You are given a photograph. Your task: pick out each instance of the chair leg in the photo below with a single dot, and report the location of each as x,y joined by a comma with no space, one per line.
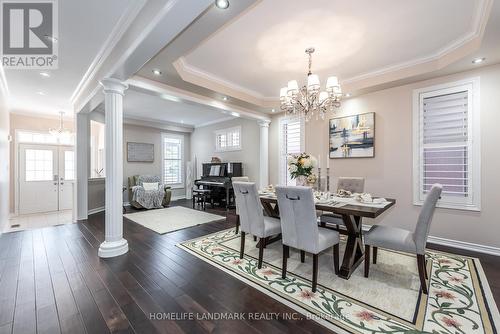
262,244
286,250
336,258
421,272
302,256
237,223
322,224
426,275
375,255
242,244
254,238
367,260
315,272
194,199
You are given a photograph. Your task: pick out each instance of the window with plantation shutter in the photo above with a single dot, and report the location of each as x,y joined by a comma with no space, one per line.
291,142
446,140
173,160
228,139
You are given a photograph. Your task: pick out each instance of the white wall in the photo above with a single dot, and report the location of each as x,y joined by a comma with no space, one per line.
203,146
4,163
390,172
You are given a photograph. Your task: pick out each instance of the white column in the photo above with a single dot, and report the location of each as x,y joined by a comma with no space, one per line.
114,243
264,154
82,148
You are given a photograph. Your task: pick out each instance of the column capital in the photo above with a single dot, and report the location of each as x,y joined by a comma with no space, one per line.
112,85
264,123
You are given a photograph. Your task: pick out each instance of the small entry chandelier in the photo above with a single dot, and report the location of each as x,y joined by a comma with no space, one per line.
60,132
309,100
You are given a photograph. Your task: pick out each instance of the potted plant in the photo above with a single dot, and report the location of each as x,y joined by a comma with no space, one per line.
301,168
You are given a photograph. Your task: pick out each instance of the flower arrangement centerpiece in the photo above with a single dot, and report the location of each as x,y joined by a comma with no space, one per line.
301,168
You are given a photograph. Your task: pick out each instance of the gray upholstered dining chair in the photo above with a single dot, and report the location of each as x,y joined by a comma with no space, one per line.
403,240
300,230
239,179
352,184
252,218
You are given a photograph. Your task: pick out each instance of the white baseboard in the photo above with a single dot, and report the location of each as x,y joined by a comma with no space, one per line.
465,245
457,244
176,198
96,210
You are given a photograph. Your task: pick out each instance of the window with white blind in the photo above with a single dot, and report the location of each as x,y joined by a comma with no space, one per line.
228,139
446,144
291,142
173,160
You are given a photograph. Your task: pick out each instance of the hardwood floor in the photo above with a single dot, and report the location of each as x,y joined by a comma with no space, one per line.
52,281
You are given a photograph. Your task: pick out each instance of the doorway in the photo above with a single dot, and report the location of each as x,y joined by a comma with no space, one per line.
46,174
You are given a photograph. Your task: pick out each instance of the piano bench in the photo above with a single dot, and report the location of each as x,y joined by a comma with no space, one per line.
201,196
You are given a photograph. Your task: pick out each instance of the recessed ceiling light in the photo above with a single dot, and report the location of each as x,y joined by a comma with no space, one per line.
156,72
40,93
347,94
45,74
182,121
222,4
478,60
225,98
51,38
273,110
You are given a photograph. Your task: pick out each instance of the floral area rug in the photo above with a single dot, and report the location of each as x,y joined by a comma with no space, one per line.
388,301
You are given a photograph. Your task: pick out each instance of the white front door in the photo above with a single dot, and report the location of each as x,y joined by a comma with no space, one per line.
66,177
46,174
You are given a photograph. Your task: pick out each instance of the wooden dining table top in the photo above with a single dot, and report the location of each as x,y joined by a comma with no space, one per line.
345,209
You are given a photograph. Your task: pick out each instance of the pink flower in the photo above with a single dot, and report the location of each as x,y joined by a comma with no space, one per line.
366,315
217,249
237,261
450,322
444,261
445,295
307,294
268,272
456,279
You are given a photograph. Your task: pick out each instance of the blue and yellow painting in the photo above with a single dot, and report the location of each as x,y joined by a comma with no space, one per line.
352,136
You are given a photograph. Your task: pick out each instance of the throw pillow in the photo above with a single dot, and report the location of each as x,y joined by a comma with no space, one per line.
150,186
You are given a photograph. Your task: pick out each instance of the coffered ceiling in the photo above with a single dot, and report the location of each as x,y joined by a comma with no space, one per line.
260,45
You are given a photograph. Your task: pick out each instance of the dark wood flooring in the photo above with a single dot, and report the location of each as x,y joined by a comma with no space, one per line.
52,281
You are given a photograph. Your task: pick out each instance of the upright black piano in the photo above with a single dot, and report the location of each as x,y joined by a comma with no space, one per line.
217,177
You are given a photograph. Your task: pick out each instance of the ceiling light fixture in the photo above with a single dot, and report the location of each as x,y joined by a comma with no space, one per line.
45,74
347,95
273,110
60,132
40,93
156,72
225,98
222,4
308,100
478,60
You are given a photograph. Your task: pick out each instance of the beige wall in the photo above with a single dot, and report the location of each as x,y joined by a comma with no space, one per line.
390,172
31,123
203,146
4,164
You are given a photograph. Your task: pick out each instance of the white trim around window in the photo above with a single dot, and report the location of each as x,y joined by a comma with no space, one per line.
175,160
228,139
446,144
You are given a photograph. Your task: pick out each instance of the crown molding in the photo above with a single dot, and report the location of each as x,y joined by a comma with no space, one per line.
116,34
220,120
450,53
156,88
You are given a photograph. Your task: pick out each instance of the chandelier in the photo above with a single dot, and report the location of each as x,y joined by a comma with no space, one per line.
61,132
309,100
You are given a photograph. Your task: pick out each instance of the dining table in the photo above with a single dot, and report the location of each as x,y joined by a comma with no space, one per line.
351,212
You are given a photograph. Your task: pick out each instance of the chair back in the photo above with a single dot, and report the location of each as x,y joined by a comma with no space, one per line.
250,209
425,218
148,179
299,227
352,184
239,179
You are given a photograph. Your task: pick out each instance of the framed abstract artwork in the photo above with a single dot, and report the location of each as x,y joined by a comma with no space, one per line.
352,136
140,152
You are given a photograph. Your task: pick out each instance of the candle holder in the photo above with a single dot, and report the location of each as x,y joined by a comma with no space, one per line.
319,178
327,179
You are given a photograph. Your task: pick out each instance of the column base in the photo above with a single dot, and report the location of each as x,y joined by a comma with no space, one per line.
113,248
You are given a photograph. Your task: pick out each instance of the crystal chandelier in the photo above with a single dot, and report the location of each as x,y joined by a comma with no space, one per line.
309,100
60,132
